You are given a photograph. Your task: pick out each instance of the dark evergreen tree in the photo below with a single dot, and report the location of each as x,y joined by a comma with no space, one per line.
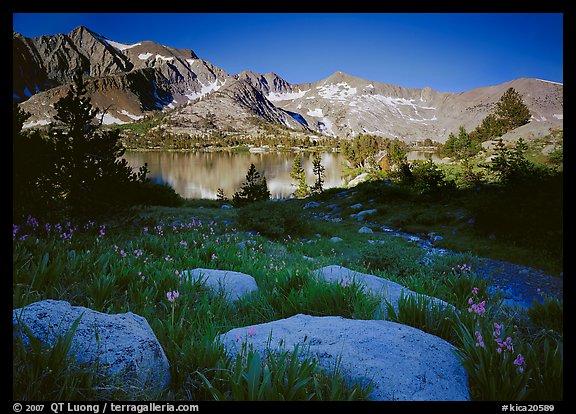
89,174
511,112
253,189
511,166
461,146
32,161
298,174
359,150
318,170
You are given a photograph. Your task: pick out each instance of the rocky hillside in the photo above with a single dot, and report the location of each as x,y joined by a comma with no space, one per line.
128,81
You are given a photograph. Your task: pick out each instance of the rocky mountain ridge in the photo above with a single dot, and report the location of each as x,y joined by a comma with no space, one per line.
130,81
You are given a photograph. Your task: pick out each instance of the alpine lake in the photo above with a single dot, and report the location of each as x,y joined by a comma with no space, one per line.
199,174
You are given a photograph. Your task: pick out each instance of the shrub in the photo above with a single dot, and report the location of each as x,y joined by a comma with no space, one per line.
274,219
149,193
428,177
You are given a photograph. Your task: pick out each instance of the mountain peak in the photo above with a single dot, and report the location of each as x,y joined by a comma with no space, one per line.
80,30
340,76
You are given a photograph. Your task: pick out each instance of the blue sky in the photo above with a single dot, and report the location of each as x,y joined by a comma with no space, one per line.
450,52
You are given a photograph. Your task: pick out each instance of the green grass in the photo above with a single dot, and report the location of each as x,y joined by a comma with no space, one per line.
522,225
139,258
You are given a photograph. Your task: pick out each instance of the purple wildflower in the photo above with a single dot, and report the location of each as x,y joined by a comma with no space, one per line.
520,363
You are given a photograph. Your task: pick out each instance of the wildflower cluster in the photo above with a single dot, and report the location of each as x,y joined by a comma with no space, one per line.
172,295
503,345
123,253
63,231
477,308
461,269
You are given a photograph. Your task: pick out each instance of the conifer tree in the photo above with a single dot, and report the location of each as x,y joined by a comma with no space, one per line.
298,174
90,174
318,170
511,110
253,189
32,160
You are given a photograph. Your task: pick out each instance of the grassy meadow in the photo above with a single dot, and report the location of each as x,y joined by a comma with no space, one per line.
129,263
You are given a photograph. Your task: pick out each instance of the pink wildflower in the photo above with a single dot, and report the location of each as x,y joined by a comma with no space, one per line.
172,296
251,331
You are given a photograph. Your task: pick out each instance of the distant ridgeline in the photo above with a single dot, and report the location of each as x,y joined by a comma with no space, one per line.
129,83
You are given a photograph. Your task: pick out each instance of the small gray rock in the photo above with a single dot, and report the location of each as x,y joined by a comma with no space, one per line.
366,212
311,204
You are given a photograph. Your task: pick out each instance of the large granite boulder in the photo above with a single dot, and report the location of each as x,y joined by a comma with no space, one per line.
390,291
233,285
403,363
123,344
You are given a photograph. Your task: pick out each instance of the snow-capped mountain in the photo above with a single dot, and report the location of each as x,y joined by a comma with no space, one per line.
131,80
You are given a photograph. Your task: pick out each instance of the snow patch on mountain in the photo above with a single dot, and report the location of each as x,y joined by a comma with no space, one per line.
336,92
39,122
132,116
121,46
325,126
205,89
555,83
108,119
285,96
316,113
167,59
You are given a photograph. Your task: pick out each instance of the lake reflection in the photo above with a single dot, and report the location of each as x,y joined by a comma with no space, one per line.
199,174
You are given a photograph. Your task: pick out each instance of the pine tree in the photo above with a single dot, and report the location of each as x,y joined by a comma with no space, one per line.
512,110
318,170
461,146
510,113
253,189
298,175
220,195
90,174
32,160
